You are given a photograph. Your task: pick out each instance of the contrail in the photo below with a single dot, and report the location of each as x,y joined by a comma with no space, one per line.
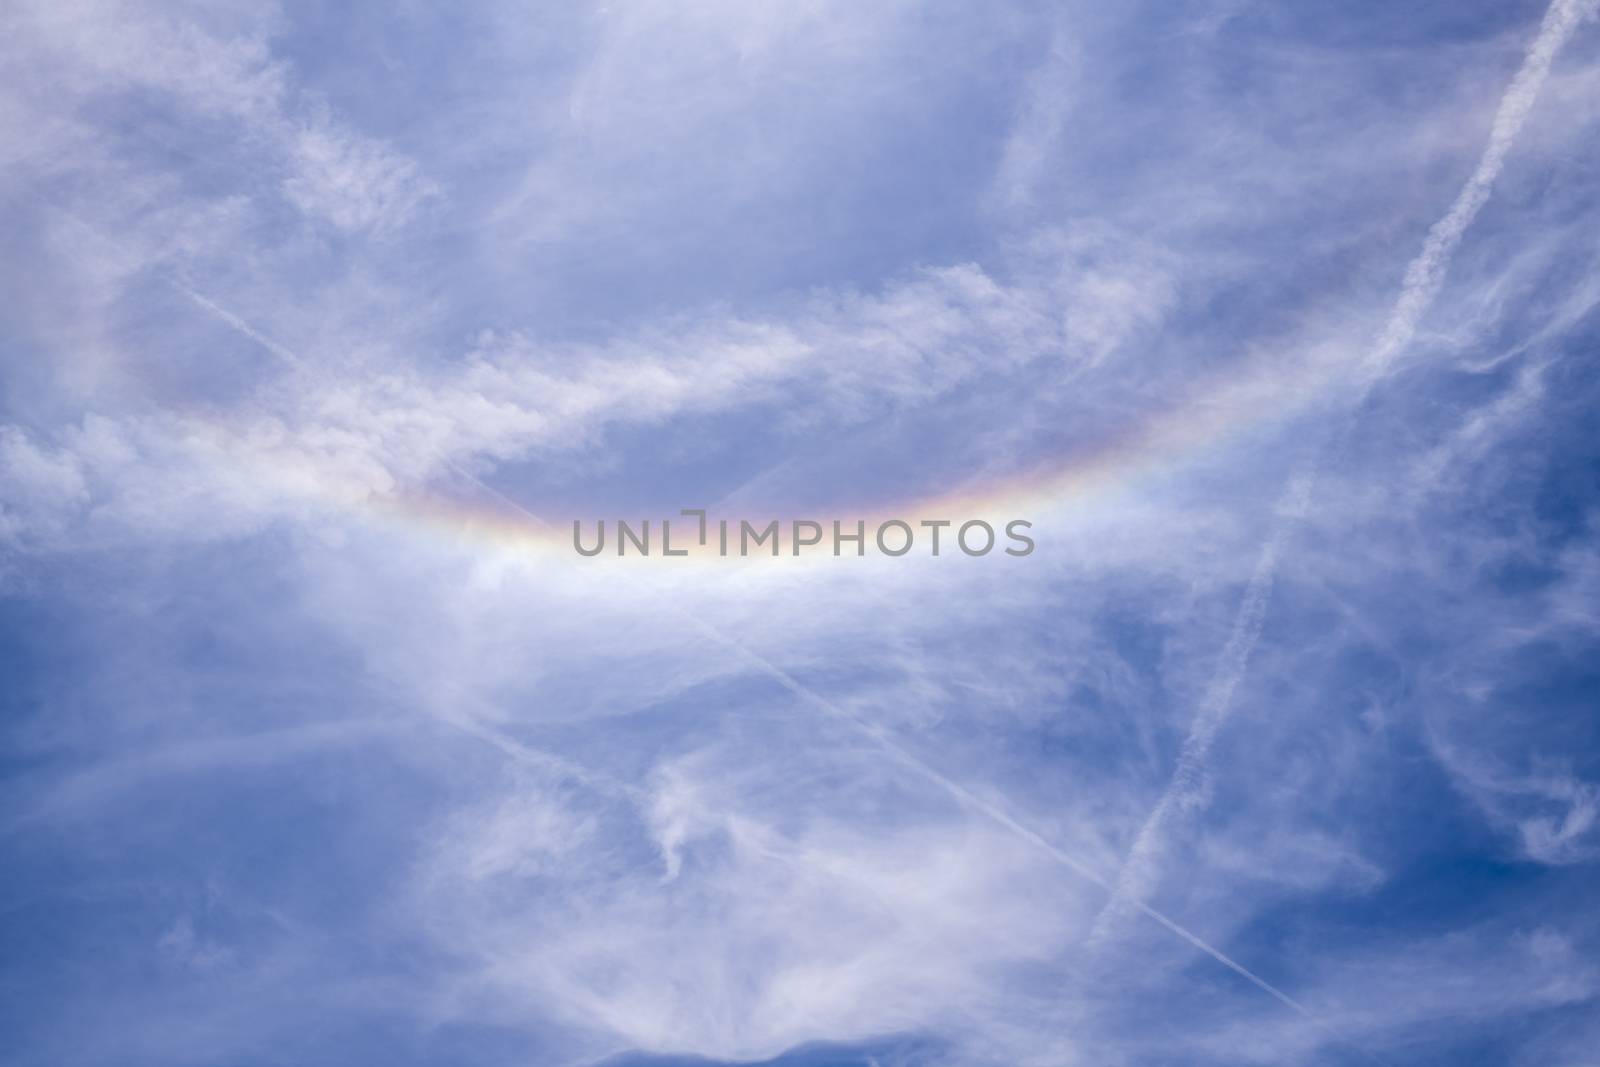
1418,289
200,300
1425,274
236,322
993,811
1186,789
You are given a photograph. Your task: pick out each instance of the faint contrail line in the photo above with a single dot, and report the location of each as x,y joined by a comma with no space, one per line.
170,277
1423,278
236,322
971,801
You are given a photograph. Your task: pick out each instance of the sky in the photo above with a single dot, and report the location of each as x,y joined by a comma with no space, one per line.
323,323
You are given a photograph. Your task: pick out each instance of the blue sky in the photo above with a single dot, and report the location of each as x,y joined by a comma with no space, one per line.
1276,320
